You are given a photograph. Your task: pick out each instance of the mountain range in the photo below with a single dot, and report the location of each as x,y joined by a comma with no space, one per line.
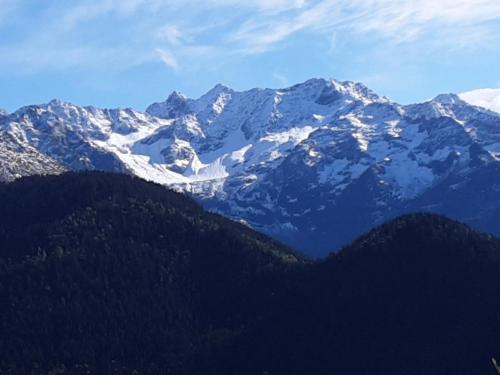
313,165
104,273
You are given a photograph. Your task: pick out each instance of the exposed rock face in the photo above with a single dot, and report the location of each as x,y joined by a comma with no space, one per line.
314,165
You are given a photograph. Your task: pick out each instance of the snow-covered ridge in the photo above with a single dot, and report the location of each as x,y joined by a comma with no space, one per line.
226,133
486,98
284,160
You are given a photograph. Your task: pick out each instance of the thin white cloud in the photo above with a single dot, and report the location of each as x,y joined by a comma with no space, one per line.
396,20
171,34
181,32
268,6
416,18
168,58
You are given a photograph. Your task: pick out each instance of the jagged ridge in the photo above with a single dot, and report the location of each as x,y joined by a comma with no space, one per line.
289,161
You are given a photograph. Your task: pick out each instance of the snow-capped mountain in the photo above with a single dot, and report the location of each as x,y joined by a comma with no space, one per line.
314,164
487,98
78,137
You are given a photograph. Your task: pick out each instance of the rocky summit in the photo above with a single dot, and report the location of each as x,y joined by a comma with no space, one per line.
313,165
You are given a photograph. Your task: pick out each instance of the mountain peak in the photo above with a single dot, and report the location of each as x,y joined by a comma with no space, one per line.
442,105
175,96
220,87
217,90
175,105
331,90
313,82
359,90
448,99
59,103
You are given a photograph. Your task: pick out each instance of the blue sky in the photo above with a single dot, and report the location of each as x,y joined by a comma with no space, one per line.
130,53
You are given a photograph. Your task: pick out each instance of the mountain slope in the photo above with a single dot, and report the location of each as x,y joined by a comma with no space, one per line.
486,98
18,159
289,162
108,270
124,275
414,296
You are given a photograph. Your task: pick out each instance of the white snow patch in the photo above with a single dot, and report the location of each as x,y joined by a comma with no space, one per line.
339,171
293,135
319,118
486,98
409,176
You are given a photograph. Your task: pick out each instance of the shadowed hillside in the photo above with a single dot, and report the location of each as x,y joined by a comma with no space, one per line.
104,273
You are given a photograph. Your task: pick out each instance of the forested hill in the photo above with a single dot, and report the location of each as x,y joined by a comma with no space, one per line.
109,270
105,273
417,295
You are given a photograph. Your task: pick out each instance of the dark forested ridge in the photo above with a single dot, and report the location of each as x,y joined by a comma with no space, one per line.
105,273
109,270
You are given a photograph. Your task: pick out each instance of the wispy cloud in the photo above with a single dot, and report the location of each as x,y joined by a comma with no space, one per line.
180,32
399,21
171,34
168,58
